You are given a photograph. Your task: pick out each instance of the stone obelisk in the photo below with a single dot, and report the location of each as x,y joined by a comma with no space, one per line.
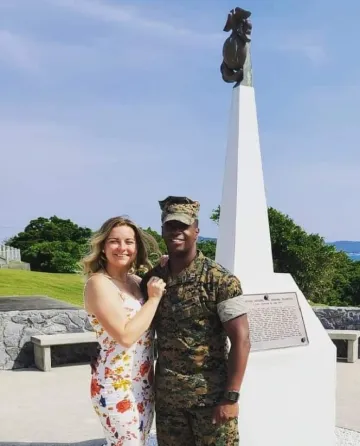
243,189
288,394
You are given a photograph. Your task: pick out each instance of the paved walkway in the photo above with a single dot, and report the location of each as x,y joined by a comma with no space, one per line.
47,407
55,408
348,395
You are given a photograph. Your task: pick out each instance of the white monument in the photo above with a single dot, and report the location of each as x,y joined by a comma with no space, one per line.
288,393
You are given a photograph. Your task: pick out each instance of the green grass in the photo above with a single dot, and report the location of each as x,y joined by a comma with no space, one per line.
313,304
65,287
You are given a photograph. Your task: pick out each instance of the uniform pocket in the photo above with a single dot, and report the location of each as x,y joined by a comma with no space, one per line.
190,308
194,303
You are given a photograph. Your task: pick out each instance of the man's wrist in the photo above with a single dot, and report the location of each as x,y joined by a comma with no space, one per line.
231,396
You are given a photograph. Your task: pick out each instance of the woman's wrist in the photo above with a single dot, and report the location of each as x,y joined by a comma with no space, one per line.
154,299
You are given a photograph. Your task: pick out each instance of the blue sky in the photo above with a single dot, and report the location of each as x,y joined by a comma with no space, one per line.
109,106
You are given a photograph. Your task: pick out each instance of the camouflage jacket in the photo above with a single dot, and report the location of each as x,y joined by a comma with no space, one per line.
191,369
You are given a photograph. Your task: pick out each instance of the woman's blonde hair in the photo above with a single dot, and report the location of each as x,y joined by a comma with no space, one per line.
145,244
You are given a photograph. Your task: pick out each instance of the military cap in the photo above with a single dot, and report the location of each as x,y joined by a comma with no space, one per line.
182,209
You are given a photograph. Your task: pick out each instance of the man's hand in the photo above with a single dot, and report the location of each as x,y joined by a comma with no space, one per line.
224,412
163,260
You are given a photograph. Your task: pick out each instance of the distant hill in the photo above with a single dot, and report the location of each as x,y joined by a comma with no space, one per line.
203,239
341,245
350,247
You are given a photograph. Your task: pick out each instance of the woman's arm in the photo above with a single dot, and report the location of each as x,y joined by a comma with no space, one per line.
102,300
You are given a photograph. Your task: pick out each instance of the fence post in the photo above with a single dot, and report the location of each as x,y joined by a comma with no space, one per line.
10,253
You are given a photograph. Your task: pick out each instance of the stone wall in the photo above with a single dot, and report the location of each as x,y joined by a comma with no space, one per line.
339,318
15,265
17,327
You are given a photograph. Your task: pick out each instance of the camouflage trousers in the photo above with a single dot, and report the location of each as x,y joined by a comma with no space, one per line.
193,427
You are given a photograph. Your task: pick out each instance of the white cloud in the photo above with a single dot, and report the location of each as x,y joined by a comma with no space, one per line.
152,43
32,143
309,44
312,51
133,18
17,51
53,60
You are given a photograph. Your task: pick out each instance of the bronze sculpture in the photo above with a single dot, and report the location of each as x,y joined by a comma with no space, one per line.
235,47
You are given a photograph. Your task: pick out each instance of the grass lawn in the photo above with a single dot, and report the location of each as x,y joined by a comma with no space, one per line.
65,287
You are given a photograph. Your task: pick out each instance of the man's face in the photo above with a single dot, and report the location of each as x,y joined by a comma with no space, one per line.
179,237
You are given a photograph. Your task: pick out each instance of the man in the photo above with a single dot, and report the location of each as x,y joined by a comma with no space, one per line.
197,382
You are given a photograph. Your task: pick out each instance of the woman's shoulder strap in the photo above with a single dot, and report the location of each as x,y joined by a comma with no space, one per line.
108,278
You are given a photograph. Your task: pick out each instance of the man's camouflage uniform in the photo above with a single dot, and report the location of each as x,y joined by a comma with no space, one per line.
191,369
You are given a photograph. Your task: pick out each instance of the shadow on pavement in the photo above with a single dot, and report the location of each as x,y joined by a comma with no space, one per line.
97,442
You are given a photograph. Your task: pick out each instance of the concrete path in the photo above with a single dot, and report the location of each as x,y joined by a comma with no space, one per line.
54,408
348,395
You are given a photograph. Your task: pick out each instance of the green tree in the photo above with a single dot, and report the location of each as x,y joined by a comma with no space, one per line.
158,238
215,216
52,244
154,254
323,274
349,283
208,248
307,257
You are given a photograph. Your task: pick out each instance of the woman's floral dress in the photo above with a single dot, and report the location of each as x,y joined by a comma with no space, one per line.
122,383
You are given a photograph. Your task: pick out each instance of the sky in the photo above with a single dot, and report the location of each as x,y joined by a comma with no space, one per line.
108,106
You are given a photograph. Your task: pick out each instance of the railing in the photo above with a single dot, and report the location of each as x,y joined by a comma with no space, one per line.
10,254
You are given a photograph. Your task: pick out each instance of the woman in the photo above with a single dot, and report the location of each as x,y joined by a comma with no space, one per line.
122,378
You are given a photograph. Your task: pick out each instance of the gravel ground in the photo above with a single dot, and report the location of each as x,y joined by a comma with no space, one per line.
344,437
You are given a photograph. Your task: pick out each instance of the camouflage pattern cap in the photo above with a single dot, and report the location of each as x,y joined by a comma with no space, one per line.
180,209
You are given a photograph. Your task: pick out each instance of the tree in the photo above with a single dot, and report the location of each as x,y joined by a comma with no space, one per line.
52,244
215,216
322,273
159,240
154,254
307,257
208,248
348,283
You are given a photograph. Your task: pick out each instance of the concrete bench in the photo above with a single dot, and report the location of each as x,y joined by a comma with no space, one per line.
43,344
352,338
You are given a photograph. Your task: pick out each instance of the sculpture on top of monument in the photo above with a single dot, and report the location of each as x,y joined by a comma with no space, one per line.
235,48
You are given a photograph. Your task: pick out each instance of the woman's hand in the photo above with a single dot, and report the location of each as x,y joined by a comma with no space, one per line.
163,260
155,288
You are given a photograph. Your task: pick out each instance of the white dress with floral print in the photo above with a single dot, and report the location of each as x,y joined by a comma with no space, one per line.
122,383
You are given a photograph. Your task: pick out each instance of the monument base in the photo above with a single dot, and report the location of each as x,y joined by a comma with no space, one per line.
288,394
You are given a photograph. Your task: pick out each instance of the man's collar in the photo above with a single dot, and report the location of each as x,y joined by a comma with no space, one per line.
187,274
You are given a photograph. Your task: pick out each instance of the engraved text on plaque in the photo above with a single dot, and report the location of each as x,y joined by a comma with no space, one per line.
275,321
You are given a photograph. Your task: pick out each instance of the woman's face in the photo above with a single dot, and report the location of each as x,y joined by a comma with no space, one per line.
120,247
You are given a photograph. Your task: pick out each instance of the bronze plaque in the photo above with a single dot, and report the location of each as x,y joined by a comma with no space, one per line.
275,321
